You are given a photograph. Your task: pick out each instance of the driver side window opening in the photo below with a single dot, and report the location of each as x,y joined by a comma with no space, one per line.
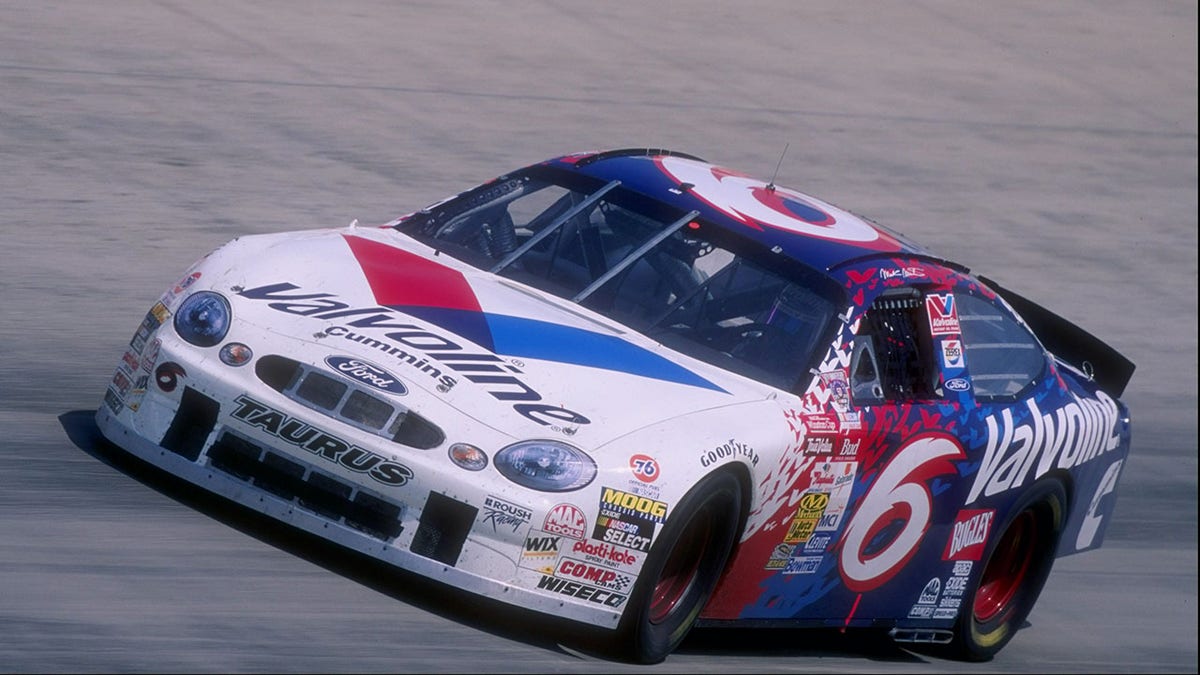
893,357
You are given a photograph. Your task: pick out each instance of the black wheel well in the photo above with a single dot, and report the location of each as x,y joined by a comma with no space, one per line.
740,472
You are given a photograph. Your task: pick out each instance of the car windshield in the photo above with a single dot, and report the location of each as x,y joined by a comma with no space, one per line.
698,288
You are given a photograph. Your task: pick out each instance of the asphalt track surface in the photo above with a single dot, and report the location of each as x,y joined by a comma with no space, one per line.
1051,146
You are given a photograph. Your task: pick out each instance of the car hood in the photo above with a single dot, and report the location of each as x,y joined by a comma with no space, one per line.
522,362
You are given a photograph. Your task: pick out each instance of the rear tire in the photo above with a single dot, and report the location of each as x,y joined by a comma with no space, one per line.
1015,569
682,570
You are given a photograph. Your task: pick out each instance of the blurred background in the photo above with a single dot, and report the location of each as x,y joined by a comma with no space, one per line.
1050,146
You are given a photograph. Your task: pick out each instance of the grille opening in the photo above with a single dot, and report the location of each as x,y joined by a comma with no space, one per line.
321,391
324,495
443,528
193,422
277,372
348,403
367,410
417,432
375,517
235,456
281,476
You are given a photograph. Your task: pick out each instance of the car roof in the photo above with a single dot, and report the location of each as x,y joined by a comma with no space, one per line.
798,225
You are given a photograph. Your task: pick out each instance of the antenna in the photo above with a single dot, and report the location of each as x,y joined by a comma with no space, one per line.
771,185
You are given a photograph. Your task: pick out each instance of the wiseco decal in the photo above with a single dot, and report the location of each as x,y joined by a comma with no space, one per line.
575,589
320,443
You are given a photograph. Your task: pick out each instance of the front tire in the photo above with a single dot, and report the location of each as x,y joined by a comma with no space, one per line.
682,570
1015,570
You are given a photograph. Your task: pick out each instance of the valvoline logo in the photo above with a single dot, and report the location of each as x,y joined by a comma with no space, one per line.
369,374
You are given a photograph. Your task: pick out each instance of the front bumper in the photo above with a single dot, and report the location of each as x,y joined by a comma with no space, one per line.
410,509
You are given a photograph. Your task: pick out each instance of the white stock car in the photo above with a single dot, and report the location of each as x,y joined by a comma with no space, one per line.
638,391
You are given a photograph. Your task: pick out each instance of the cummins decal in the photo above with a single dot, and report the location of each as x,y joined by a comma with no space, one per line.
320,443
441,354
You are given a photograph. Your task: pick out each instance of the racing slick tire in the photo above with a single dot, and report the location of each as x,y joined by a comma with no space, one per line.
1015,568
681,571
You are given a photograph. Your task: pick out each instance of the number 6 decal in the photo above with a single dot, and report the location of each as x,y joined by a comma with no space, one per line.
899,495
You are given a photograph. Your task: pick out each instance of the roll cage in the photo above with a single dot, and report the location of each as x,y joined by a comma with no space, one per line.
695,286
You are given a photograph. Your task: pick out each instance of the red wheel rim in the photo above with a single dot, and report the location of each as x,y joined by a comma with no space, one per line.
681,569
1007,568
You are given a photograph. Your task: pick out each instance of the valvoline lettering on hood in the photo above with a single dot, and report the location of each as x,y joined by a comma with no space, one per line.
453,338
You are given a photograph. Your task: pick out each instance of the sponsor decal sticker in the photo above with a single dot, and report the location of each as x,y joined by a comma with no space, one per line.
367,373
167,375
504,515
622,503
581,591
645,468
839,389
952,354
821,424
540,551
958,384
921,612
600,577
567,520
604,554
943,314
818,445
113,400
817,543
803,565
779,557
807,516
627,531
151,355
731,448
929,595
969,535
131,361
955,586
122,382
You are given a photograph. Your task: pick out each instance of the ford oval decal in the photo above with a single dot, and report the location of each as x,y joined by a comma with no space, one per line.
368,373
958,384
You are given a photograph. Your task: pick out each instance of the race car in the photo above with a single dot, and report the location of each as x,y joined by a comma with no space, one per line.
639,392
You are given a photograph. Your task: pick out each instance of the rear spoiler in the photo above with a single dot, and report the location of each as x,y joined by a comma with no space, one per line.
1072,344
